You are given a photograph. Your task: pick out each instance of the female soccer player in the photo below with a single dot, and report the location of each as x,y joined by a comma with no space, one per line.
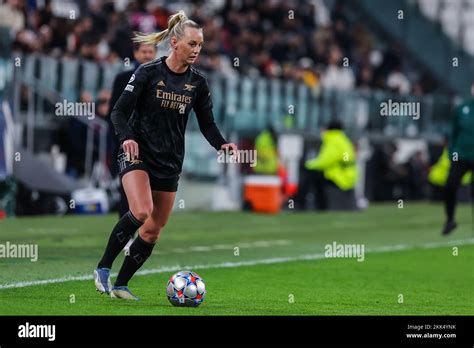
160,94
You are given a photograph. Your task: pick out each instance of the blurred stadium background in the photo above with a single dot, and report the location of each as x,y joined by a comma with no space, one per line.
293,66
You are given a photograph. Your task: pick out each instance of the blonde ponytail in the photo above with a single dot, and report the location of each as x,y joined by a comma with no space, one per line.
176,25
151,39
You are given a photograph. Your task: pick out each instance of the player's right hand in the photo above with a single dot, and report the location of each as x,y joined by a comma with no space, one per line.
130,147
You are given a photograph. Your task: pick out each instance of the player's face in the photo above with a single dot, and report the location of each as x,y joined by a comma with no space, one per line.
190,45
144,53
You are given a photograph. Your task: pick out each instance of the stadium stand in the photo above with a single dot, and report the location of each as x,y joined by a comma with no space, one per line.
260,57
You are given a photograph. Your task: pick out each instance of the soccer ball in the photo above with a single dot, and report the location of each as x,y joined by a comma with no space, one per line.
186,289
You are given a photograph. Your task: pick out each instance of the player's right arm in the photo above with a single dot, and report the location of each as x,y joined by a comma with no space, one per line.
124,107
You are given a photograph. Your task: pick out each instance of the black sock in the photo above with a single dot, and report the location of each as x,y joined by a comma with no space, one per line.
139,253
121,234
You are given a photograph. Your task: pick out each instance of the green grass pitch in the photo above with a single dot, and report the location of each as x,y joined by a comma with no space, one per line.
279,267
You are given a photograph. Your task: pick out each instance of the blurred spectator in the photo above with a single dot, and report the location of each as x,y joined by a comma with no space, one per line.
335,165
308,74
398,82
391,175
439,172
12,15
76,146
103,112
266,145
336,75
417,176
365,78
461,153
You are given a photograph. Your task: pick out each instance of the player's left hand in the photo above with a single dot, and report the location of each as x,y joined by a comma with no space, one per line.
231,149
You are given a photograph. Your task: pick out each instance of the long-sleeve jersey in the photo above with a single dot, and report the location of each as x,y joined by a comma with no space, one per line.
159,101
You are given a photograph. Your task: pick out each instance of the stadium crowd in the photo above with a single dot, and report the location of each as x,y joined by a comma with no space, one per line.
300,40
283,39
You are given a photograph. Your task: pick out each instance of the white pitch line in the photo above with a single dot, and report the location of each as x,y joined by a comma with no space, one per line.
383,249
39,230
207,248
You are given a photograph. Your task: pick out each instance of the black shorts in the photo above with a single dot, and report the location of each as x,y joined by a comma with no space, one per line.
156,184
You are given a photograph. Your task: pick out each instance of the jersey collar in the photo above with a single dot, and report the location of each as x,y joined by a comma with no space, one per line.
163,60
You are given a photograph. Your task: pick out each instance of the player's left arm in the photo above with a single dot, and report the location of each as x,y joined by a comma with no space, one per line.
207,125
